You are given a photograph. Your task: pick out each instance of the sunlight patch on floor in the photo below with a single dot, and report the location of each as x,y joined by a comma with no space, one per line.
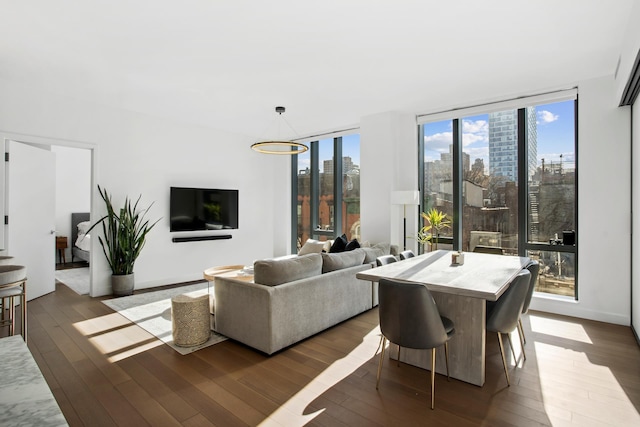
291,413
576,391
101,324
560,328
116,337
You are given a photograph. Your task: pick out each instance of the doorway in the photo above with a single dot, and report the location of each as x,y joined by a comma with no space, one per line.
73,202
17,243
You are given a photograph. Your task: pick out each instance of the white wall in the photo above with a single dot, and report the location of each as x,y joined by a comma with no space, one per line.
389,162
73,188
138,154
604,177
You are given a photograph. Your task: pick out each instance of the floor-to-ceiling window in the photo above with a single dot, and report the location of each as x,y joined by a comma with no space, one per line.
507,179
326,192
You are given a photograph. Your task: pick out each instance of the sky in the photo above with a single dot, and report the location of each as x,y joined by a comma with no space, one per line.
350,148
555,129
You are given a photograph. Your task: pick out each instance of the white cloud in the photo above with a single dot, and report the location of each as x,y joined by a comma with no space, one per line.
438,141
470,138
477,126
474,132
478,153
545,116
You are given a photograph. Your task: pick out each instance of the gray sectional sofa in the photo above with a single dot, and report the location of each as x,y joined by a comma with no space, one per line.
293,298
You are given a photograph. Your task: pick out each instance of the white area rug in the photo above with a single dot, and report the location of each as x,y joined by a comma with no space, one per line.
152,312
75,278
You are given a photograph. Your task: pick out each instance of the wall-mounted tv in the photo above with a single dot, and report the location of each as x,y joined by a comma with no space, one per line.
193,209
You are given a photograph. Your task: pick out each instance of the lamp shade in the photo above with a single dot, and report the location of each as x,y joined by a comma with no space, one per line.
411,197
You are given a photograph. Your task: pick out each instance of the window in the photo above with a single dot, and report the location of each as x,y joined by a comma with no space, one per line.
326,192
508,179
551,196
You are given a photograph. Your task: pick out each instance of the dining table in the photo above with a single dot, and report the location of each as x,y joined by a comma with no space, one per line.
461,291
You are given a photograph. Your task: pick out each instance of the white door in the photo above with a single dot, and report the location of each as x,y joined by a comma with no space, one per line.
31,202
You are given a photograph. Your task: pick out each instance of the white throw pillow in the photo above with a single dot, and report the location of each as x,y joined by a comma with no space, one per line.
83,227
311,247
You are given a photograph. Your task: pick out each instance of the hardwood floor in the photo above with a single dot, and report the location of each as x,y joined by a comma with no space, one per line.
104,371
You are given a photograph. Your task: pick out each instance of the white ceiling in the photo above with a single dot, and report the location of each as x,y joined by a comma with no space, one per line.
227,64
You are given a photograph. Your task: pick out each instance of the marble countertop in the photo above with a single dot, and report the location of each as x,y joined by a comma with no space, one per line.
25,397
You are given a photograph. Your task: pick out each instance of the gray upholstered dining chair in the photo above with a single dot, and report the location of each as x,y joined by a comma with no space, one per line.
410,318
385,259
406,254
534,269
504,317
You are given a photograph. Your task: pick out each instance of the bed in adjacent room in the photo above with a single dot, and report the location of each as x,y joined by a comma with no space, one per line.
81,239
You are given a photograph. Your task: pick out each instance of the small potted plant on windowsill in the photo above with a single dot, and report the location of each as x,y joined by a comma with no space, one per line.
124,232
435,222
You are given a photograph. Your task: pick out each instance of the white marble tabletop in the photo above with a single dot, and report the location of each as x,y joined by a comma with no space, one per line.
484,276
25,397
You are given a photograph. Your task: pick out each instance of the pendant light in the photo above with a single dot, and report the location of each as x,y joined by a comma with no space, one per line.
280,146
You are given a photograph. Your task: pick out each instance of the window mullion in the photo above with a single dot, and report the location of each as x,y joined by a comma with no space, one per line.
315,184
523,181
458,182
337,187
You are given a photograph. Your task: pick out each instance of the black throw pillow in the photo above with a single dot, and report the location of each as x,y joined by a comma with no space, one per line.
339,244
352,245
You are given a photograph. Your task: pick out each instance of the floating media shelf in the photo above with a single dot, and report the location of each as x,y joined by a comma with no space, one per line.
198,238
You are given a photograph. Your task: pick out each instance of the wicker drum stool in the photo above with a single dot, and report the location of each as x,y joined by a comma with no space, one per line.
190,320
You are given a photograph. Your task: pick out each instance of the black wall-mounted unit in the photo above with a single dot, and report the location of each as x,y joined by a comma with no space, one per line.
198,238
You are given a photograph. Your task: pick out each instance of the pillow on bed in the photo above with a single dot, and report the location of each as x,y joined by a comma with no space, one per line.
83,227
84,242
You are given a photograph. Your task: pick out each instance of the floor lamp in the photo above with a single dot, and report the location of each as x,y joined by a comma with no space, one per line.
405,198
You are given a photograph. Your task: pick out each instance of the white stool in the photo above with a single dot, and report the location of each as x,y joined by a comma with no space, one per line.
6,260
13,284
190,320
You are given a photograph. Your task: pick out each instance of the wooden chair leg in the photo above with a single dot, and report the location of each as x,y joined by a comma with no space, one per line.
521,335
524,339
513,350
399,356
433,376
504,360
379,344
384,342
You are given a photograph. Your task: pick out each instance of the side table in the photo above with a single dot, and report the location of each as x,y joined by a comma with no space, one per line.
61,246
190,320
210,274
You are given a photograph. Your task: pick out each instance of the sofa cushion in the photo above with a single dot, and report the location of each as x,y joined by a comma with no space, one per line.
272,272
339,244
311,246
338,261
373,252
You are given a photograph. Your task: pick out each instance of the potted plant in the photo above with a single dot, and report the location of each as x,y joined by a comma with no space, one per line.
124,234
435,222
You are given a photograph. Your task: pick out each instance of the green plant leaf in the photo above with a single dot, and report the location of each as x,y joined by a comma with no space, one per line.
124,233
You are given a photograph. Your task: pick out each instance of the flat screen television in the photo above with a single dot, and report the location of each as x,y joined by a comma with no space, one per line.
193,209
